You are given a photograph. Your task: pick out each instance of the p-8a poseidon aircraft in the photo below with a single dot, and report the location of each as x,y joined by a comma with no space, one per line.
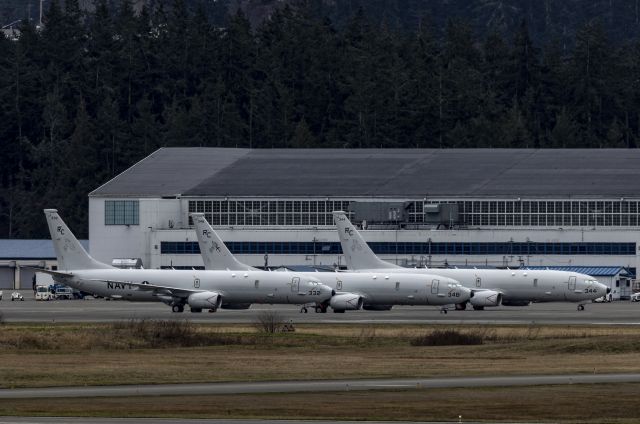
176,288
373,291
491,287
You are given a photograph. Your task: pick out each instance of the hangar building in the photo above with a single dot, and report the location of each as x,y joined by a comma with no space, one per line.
465,207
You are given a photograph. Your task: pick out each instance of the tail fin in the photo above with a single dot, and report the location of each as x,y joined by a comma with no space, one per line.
70,253
356,251
213,250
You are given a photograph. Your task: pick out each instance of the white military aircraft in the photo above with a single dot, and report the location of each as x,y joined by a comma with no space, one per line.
491,287
373,291
177,288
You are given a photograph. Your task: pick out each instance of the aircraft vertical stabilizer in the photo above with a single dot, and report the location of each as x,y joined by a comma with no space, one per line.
214,253
356,251
70,253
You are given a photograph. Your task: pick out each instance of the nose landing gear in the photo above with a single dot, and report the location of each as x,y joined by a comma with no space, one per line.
581,307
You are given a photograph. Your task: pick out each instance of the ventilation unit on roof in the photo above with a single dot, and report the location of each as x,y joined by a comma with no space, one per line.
441,214
379,212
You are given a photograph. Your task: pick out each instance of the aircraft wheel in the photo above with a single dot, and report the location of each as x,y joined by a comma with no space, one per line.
461,306
338,311
581,307
196,310
478,308
177,308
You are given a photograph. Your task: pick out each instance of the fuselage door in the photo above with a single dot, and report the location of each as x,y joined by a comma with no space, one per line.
478,282
434,286
295,284
572,283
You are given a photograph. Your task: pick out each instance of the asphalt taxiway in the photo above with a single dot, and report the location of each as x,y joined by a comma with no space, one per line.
194,389
95,420
100,310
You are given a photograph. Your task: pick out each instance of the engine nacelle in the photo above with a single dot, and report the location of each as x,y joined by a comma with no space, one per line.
516,302
205,300
346,302
486,298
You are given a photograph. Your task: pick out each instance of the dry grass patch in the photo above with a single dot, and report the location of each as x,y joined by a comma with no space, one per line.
140,352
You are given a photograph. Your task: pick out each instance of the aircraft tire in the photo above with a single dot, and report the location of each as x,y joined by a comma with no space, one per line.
177,308
478,308
461,306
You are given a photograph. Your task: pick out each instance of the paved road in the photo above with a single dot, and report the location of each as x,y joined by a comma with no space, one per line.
99,310
80,420
313,386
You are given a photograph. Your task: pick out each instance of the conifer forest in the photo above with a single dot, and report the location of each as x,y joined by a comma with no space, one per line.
91,92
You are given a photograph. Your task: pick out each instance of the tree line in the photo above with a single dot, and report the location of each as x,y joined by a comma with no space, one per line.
88,95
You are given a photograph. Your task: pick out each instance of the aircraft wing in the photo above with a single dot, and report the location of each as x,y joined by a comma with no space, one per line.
157,289
53,273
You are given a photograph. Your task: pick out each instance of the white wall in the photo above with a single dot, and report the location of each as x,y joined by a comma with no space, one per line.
130,241
143,241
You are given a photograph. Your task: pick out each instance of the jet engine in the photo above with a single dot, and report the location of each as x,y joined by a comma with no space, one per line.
346,301
205,300
484,298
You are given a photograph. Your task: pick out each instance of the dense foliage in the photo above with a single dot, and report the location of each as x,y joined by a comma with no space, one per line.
89,95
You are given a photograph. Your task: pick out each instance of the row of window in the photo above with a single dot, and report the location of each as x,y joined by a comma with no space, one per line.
410,248
121,212
577,213
267,212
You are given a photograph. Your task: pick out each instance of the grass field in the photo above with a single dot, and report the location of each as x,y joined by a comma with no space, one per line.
160,352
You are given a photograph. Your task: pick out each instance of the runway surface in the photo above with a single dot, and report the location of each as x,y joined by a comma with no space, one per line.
92,420
313,386
100,310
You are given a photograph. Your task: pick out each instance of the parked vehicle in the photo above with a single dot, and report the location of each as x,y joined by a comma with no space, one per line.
43,293
635,297
16,296
63,293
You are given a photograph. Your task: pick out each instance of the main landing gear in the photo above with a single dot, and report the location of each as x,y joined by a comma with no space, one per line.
177,308
321,309
444,310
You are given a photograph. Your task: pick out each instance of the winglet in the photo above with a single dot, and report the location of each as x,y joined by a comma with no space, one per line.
356,251
70,253
214,253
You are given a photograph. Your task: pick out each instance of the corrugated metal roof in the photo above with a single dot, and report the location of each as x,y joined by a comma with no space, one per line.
380,173
14,249
595,271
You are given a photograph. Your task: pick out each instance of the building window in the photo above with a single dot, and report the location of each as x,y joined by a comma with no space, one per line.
121,212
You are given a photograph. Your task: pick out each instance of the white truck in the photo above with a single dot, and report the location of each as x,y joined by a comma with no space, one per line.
42,293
